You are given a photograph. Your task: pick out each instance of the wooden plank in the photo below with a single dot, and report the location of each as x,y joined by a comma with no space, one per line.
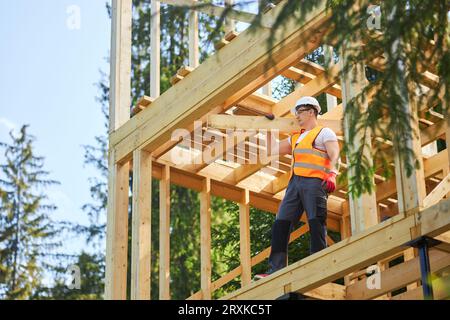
155,53
363,208
397,277
120,90
329,291
141,226
178,106
244,232
117,231
205,239
164,234
194,53
438,193
355,252
286,125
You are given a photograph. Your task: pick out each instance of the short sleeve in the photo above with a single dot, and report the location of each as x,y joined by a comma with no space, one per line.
328,135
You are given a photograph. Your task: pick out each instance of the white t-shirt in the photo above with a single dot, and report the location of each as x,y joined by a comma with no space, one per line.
326,134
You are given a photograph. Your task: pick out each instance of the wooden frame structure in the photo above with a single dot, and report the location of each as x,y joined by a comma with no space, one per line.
413,205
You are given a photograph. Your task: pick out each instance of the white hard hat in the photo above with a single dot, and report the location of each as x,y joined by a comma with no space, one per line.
306,100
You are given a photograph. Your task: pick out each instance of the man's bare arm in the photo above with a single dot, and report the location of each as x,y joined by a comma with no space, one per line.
333,153
284,148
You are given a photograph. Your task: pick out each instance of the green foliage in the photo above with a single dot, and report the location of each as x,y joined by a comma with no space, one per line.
27,233
92,270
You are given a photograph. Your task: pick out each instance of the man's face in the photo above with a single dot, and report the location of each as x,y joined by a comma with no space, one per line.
303,113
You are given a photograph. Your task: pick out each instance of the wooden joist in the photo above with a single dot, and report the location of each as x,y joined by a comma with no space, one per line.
142,103
181,74
226,40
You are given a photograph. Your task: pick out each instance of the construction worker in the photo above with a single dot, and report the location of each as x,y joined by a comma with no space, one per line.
315,152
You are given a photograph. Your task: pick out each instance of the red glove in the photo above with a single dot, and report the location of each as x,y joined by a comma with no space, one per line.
330,182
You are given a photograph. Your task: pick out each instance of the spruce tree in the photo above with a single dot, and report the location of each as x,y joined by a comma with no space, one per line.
27,234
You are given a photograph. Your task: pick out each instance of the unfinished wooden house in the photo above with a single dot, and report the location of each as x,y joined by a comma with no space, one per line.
406,216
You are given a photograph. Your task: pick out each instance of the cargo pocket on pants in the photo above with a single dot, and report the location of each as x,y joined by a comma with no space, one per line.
321,211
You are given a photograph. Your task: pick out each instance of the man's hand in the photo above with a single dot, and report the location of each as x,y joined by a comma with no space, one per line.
330,182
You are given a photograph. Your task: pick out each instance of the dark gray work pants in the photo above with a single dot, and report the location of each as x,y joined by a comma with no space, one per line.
302,194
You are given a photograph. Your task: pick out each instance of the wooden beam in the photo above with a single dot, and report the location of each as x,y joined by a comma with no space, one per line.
178,107
410,190
155,43
363,208
117,231
141,226
205,239
119,113
286,125
244,232
120,91
164,234
194,54
358,251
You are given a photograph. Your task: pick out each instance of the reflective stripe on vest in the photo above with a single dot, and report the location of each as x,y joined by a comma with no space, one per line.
307,160
311,151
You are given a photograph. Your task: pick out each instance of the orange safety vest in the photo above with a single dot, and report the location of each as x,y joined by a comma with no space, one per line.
308,161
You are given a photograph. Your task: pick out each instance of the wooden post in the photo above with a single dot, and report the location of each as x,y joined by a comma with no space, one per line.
120,62
267,89
193,39
363,209
244,227
117,231
119,113
410,190
229,23
155,57
410,254
141,225
329,60
205,239
164,234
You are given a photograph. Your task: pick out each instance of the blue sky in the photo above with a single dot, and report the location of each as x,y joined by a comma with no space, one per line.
48,73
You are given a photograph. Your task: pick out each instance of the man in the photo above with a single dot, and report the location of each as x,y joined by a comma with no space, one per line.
315,153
